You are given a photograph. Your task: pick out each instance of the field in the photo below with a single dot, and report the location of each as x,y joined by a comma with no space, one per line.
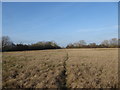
62,68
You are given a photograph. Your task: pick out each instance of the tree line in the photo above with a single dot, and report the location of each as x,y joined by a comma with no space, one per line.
8,45
112,43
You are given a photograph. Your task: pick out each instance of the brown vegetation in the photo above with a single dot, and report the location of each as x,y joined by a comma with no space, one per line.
64,68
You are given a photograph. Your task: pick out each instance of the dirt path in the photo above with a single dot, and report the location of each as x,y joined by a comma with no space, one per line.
63,75
65,70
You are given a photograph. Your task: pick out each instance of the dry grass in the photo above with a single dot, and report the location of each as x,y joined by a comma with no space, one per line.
92,68
70,68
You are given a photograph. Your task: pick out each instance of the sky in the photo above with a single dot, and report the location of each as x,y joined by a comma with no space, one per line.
62,22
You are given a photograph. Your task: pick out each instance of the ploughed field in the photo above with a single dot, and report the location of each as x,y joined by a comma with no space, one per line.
63,68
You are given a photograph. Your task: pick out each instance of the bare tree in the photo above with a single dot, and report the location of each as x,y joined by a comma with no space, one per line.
82,43
70,45
113,42
6,42
76,44
105,43
93,45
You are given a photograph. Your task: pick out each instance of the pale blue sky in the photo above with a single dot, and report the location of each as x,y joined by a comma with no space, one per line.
62,22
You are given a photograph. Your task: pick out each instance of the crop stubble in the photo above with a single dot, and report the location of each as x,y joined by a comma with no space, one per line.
63,68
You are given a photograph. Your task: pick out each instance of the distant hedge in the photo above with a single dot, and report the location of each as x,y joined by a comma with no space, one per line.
8,45
112,43
22,47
